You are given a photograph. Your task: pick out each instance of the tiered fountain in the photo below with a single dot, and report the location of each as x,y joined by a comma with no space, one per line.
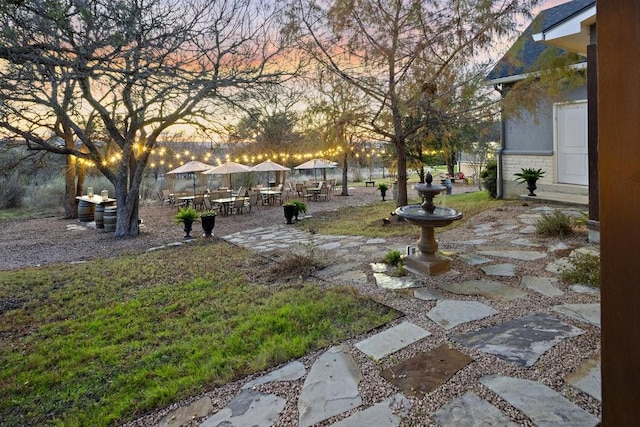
428,216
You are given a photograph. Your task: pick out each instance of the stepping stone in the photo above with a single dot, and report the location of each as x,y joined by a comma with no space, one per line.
525,242
560,246
519,255
588,378
487,288
521,341
391,340
529,229
186,414
589,313
427,294
529,219
377,241
559,265
450,313
379,267
331,387
584,289
387,413
545,407
290,372
474,259
504,270
427,371
385,281
249,408
470,242
542,285
471,411
330,245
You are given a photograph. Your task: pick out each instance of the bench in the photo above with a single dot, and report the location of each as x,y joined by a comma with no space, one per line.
366,183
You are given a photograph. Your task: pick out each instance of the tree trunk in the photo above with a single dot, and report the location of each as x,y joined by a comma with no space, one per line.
69,202
345,175
401,173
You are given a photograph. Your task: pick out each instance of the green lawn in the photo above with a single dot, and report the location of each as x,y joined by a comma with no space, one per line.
100,342
367,220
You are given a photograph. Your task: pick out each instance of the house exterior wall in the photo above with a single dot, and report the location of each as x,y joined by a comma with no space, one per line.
528,143
514,163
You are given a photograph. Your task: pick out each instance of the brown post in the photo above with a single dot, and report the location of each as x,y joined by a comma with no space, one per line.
618,44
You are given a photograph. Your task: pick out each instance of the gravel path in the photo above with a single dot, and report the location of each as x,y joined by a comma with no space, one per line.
50,240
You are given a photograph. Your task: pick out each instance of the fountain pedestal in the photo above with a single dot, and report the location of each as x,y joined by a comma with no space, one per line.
427,216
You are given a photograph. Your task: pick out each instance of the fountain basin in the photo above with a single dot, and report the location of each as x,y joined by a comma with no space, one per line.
441,217
426,261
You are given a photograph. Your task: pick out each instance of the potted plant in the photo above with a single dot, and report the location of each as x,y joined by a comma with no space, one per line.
530,176
383,190
301,208
289,211
208,219
186,216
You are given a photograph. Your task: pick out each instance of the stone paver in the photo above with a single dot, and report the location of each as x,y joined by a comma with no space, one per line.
589,313
519,255
486,288
186,414
474,259
387,413
391,340
471,411
331,387
521,341
588,378
584,289
504,270
425,372
546,286
249,408
396,282
545,407
427,294
290,372
450,313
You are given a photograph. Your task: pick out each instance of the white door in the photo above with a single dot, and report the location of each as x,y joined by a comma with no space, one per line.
571,143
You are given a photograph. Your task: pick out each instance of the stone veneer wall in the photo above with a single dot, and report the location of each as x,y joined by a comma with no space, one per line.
513,163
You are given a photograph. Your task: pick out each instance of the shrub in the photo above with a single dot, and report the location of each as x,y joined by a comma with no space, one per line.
555,225
490,178
393,257
11,194
585,269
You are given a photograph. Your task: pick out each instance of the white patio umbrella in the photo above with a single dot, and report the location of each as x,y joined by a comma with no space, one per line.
268,166
228,168
191,167
316,164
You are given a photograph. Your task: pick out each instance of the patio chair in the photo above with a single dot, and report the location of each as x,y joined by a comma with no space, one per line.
198,202
238,205
252,200
324,192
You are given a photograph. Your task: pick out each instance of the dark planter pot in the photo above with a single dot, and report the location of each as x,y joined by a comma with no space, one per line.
296,211
384,194
208,222
289,213
531,186
188,224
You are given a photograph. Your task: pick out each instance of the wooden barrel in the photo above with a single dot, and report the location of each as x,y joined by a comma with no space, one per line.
85,211
98,215
110,213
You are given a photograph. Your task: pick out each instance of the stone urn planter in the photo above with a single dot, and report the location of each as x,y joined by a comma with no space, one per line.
186,216
383,190
530,176
208,220
289,212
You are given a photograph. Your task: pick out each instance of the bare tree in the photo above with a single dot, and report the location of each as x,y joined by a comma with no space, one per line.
132,69
340,113
383,46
